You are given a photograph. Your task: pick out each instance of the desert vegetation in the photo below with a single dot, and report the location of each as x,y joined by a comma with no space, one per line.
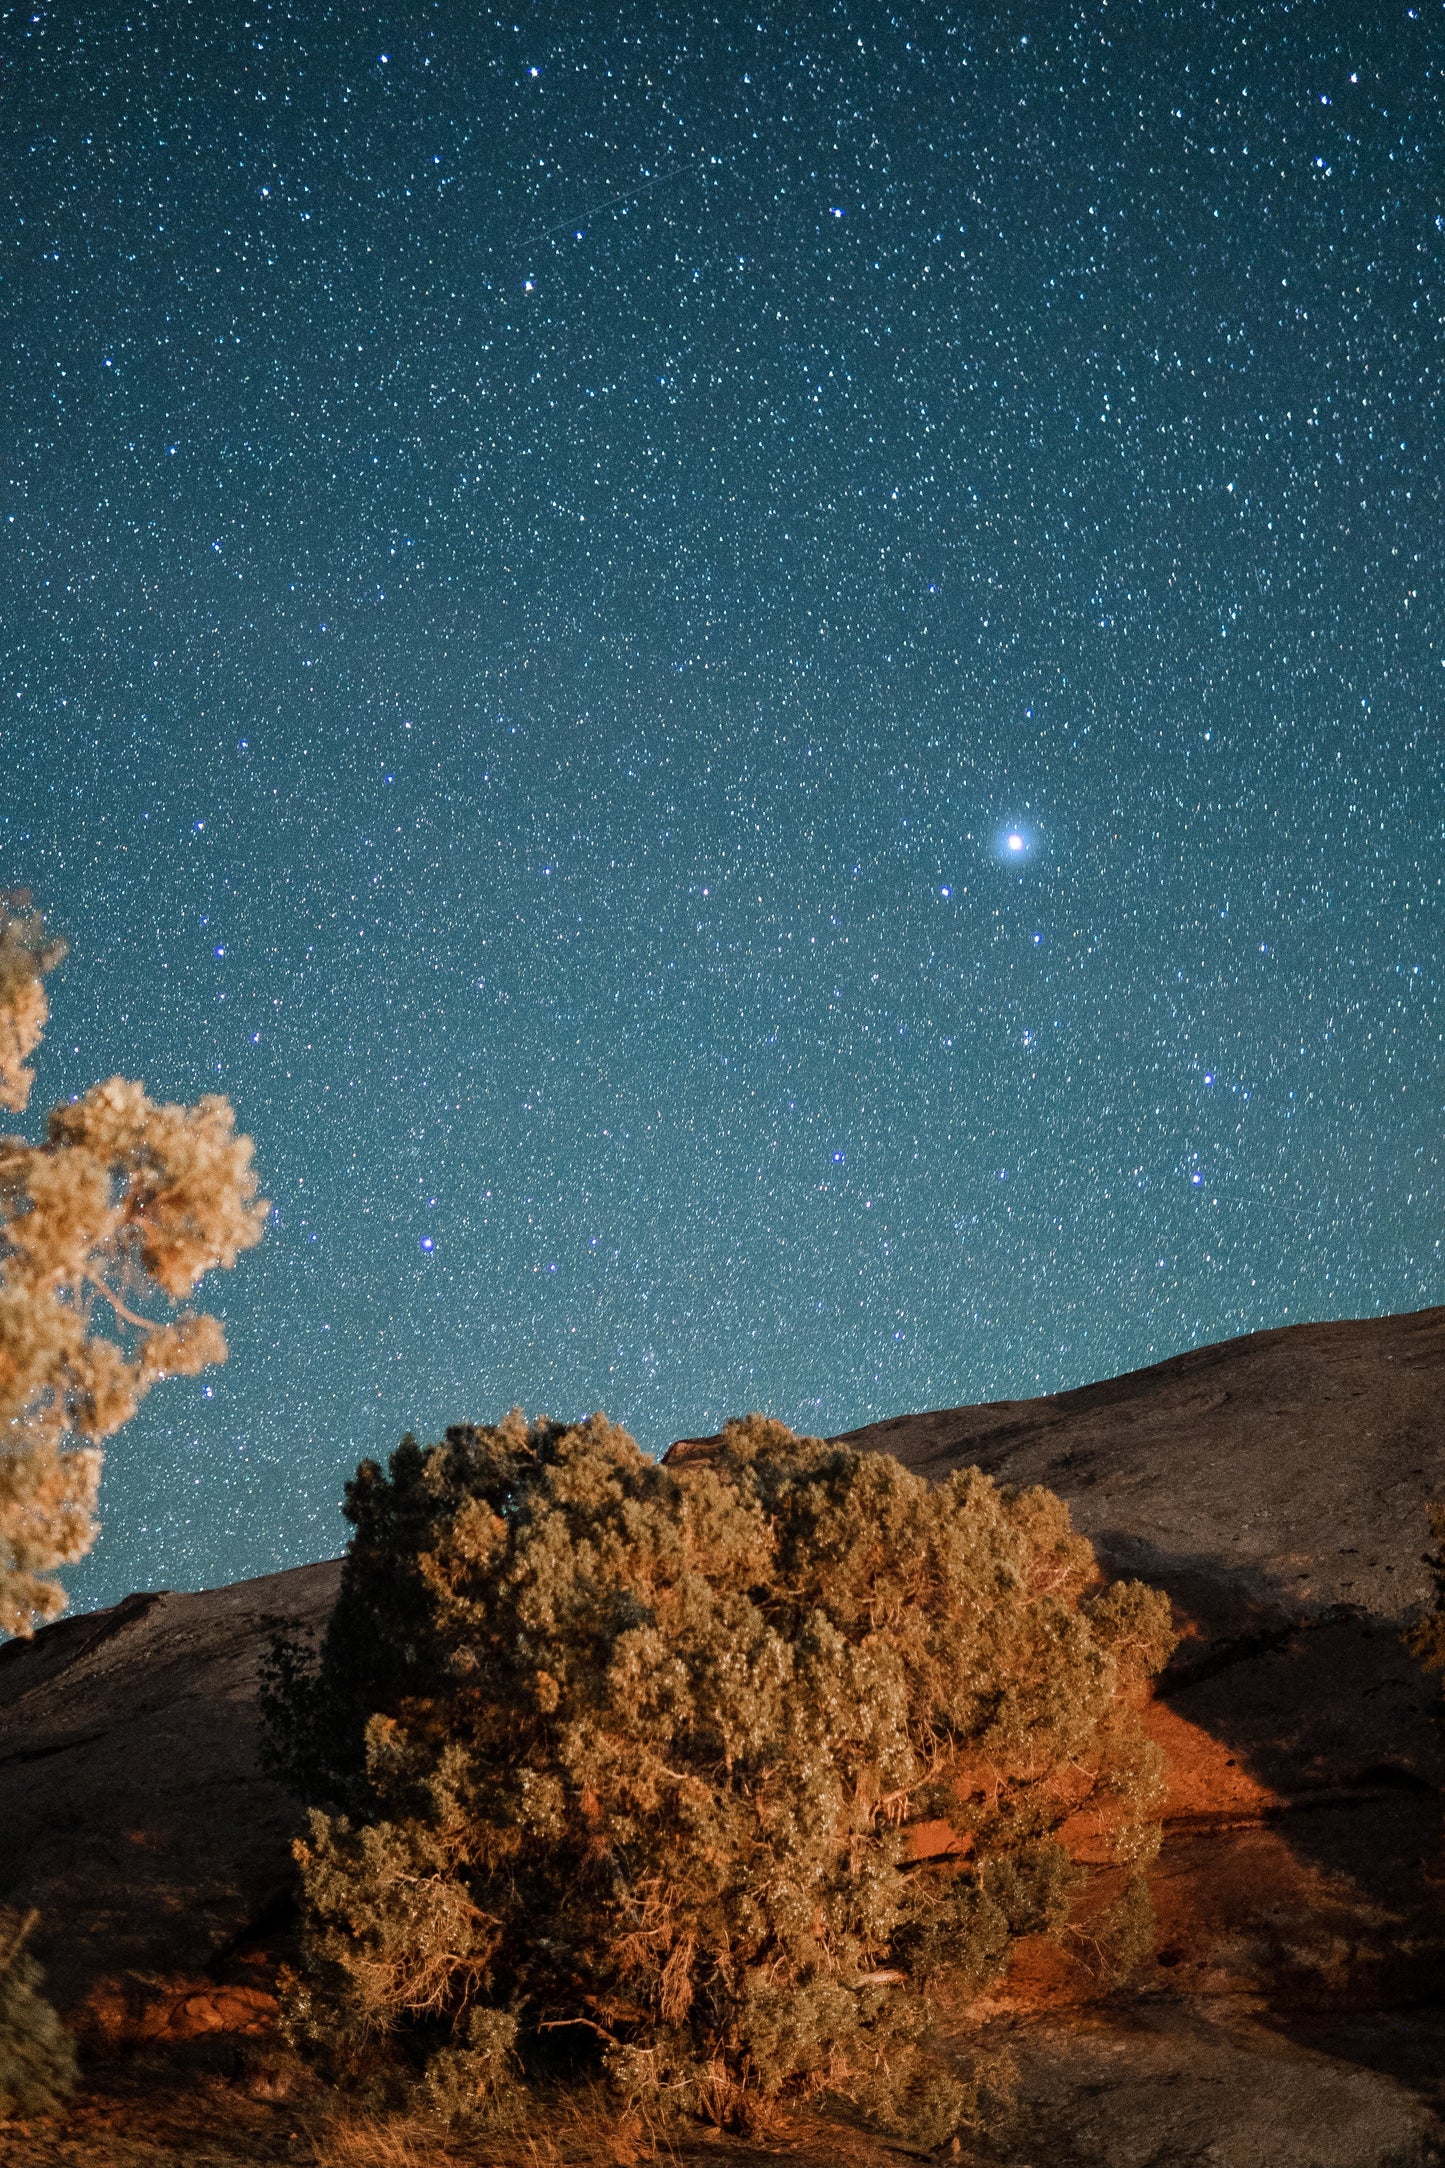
722,1784
37,2058
106,1227
1425,1637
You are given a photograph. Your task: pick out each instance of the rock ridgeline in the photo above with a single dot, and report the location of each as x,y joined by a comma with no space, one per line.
1276,1486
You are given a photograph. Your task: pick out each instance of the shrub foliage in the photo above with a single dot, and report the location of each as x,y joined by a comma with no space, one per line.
1425,1638
642,1760
37,2060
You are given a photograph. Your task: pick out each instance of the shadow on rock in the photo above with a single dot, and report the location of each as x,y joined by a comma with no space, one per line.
1301,1872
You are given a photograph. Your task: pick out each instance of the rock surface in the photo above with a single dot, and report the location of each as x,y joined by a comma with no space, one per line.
132,1805
1264,1480
1178,2087
1276,1486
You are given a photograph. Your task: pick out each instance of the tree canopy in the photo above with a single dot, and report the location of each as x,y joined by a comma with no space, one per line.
106,1227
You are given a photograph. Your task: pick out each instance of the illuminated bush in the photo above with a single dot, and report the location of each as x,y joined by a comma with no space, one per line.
105,1231
626,1758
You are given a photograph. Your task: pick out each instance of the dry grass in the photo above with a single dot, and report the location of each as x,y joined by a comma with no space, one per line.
582,2130
582,2127
369,2142
158,2110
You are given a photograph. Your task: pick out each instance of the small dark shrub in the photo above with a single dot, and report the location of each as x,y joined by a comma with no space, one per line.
37,2061
622,1760
1425,1639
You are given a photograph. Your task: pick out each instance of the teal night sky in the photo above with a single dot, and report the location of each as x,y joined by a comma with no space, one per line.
768,688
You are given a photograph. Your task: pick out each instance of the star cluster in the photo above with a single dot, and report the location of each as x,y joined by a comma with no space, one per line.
767,691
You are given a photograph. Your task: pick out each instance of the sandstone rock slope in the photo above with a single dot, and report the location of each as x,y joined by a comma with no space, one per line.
1277,1475
133,1810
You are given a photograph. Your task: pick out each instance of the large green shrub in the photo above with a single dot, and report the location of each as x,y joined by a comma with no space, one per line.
624,1756
37,2060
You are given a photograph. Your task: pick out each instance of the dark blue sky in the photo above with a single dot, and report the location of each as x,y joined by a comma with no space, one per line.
545,555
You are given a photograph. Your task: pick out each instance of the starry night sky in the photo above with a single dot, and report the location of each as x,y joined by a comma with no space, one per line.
546,557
